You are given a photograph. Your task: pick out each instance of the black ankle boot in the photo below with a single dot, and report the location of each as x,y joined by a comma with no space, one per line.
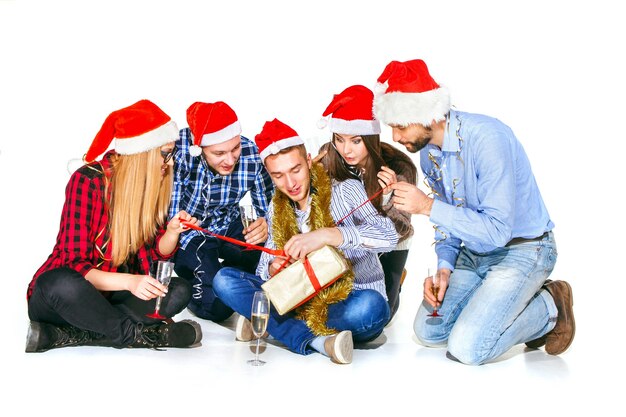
45,336
181,334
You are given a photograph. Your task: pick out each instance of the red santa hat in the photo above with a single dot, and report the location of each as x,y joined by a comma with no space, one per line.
275,137
135,129
210,124
352,112
406,93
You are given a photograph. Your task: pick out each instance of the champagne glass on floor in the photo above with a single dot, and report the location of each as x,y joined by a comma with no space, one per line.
435,290
163,274
248,215
260,316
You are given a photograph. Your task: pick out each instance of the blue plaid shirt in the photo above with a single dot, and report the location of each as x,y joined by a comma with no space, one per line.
213,198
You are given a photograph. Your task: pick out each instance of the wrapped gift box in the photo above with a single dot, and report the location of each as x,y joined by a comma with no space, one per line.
293,286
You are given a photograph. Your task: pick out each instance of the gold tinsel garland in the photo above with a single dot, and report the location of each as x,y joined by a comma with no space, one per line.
285,225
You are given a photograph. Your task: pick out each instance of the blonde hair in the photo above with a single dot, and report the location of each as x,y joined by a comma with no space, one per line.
140,199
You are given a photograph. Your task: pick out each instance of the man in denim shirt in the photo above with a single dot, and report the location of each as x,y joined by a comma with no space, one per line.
494,240
214,167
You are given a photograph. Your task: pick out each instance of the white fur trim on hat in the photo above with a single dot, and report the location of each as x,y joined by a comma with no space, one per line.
222,135
275,147
153,139
195,150
402,109
354,127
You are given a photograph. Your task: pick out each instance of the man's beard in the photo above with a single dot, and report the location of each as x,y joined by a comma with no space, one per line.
418,145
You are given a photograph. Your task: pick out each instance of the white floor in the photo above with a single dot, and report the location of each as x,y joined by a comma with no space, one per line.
392,375
53,99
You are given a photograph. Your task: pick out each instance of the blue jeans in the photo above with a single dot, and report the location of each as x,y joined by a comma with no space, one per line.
364,312
493,302
199,262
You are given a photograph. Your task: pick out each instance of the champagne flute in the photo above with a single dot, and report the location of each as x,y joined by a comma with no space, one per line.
435,291
259,317
248,215
164,276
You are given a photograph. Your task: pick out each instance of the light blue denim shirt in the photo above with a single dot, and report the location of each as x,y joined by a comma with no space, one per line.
486,193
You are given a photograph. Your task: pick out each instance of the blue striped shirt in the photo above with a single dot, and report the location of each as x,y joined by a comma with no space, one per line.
487,192
365,233
213,198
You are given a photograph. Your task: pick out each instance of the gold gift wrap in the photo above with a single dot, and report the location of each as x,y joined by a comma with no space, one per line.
292,286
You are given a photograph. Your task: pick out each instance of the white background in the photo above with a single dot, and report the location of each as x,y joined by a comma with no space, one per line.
553,71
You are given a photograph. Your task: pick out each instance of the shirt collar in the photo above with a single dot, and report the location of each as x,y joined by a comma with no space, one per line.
450,141
105,162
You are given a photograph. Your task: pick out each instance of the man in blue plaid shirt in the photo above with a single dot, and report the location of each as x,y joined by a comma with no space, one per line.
214,167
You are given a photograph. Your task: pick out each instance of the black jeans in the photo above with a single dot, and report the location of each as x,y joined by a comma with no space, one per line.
63,296
199,262
393,264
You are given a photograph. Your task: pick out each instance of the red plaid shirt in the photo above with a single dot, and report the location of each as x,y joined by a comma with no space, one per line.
83,239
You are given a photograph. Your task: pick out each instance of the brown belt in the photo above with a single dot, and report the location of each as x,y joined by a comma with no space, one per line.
518,240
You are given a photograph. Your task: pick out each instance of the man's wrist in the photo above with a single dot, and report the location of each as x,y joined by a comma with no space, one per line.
428,207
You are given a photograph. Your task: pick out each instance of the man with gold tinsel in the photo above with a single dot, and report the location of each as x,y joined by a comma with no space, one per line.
303,217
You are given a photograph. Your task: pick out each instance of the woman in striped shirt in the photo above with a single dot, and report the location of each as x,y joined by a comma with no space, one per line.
356,152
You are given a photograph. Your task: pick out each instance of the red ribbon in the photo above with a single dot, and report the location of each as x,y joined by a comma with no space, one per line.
274,252
307,265
311,274
361,205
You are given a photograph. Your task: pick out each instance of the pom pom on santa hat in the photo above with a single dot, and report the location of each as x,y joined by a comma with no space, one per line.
137,128
406,93
211,124
274,137
351,112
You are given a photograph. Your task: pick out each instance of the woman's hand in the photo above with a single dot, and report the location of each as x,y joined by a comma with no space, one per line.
175,225
386,177
145,287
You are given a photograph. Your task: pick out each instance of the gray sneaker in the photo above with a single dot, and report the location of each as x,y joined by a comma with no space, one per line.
243,330
339,347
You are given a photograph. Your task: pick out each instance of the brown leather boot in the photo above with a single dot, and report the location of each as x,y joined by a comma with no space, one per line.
561,337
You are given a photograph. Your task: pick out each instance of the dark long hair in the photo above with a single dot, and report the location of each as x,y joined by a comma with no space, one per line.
338,168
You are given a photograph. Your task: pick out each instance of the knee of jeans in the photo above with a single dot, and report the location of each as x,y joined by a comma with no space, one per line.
422,336
223,280
61,284
180,293
367,310
465,346
426,335
430,332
